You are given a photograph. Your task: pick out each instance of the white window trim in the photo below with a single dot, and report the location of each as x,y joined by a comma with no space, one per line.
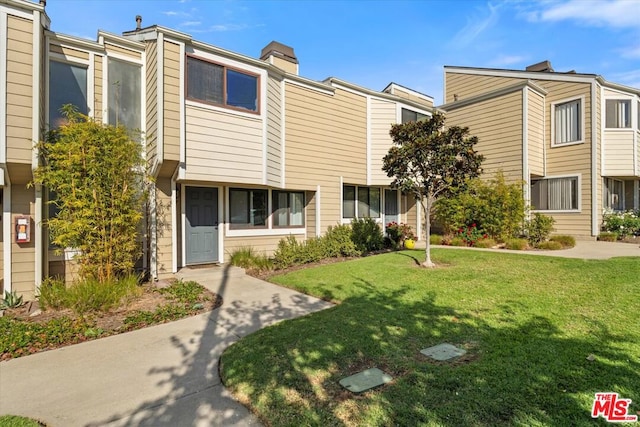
631,113
269,230
555,144
622,198
344,220
261,74
578,210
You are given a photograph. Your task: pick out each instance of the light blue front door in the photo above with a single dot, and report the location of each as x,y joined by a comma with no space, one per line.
201,206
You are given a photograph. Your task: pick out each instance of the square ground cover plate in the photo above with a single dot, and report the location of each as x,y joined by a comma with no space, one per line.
365,380
443,352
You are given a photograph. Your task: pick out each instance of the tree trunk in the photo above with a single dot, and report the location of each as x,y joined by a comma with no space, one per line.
427,217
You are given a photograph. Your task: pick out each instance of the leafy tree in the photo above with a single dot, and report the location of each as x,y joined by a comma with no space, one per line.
96,173
429,161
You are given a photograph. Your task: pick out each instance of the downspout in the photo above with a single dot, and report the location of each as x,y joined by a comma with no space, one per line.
6,193
6,232
526,177
594,162
155,171
35,135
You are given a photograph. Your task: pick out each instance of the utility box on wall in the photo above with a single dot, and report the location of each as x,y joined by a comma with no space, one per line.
23,229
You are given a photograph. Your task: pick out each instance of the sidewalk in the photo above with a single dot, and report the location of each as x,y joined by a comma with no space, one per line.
583,250
165,375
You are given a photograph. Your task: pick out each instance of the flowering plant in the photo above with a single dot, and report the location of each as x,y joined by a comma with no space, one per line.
622,223
399,232
471,234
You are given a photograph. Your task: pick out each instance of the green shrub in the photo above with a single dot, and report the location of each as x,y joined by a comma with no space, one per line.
608,236
550,245
312,250
287,252
338,242
246,257
564,240
623,223
497,208
89,295
242,257
516,244
539,227
366,234
458,241
435,239
485,243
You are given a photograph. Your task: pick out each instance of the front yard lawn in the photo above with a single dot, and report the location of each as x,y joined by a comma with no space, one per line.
542,335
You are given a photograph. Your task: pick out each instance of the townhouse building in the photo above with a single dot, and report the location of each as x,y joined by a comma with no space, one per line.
243,151
572,138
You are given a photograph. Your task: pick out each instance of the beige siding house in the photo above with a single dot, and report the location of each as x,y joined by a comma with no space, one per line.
243,151
573,139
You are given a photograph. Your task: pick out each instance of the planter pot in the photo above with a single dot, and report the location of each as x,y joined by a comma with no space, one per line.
409,244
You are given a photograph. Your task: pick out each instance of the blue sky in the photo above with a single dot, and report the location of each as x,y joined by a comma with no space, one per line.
372,43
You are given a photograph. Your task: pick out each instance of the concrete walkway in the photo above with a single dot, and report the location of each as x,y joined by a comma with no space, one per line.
165,375
583,250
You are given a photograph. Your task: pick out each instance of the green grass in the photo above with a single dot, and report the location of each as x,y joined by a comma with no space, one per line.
17,421
528,324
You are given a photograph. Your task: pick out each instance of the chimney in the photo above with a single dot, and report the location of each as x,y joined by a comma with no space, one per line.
281,56
138,22
43,3
544,67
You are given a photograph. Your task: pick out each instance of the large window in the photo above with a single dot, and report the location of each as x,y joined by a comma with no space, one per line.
568,122
124,91
618,113
287,208
613,197
247,208
412,116
67,85
360,202
555,194
216,84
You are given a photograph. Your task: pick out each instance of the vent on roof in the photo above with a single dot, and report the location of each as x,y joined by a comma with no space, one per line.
544,66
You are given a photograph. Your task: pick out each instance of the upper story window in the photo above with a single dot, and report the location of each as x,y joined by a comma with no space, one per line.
618,113
555,194
567,122
412,116
217,84
360,202
67,85
125,82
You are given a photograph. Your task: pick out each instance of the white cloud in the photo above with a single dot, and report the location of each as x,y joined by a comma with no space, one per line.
504,60
630,52
629,78
170,13
476,25
610,13
190,24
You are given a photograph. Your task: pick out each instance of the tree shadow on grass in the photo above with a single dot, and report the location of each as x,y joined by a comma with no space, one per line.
517,370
